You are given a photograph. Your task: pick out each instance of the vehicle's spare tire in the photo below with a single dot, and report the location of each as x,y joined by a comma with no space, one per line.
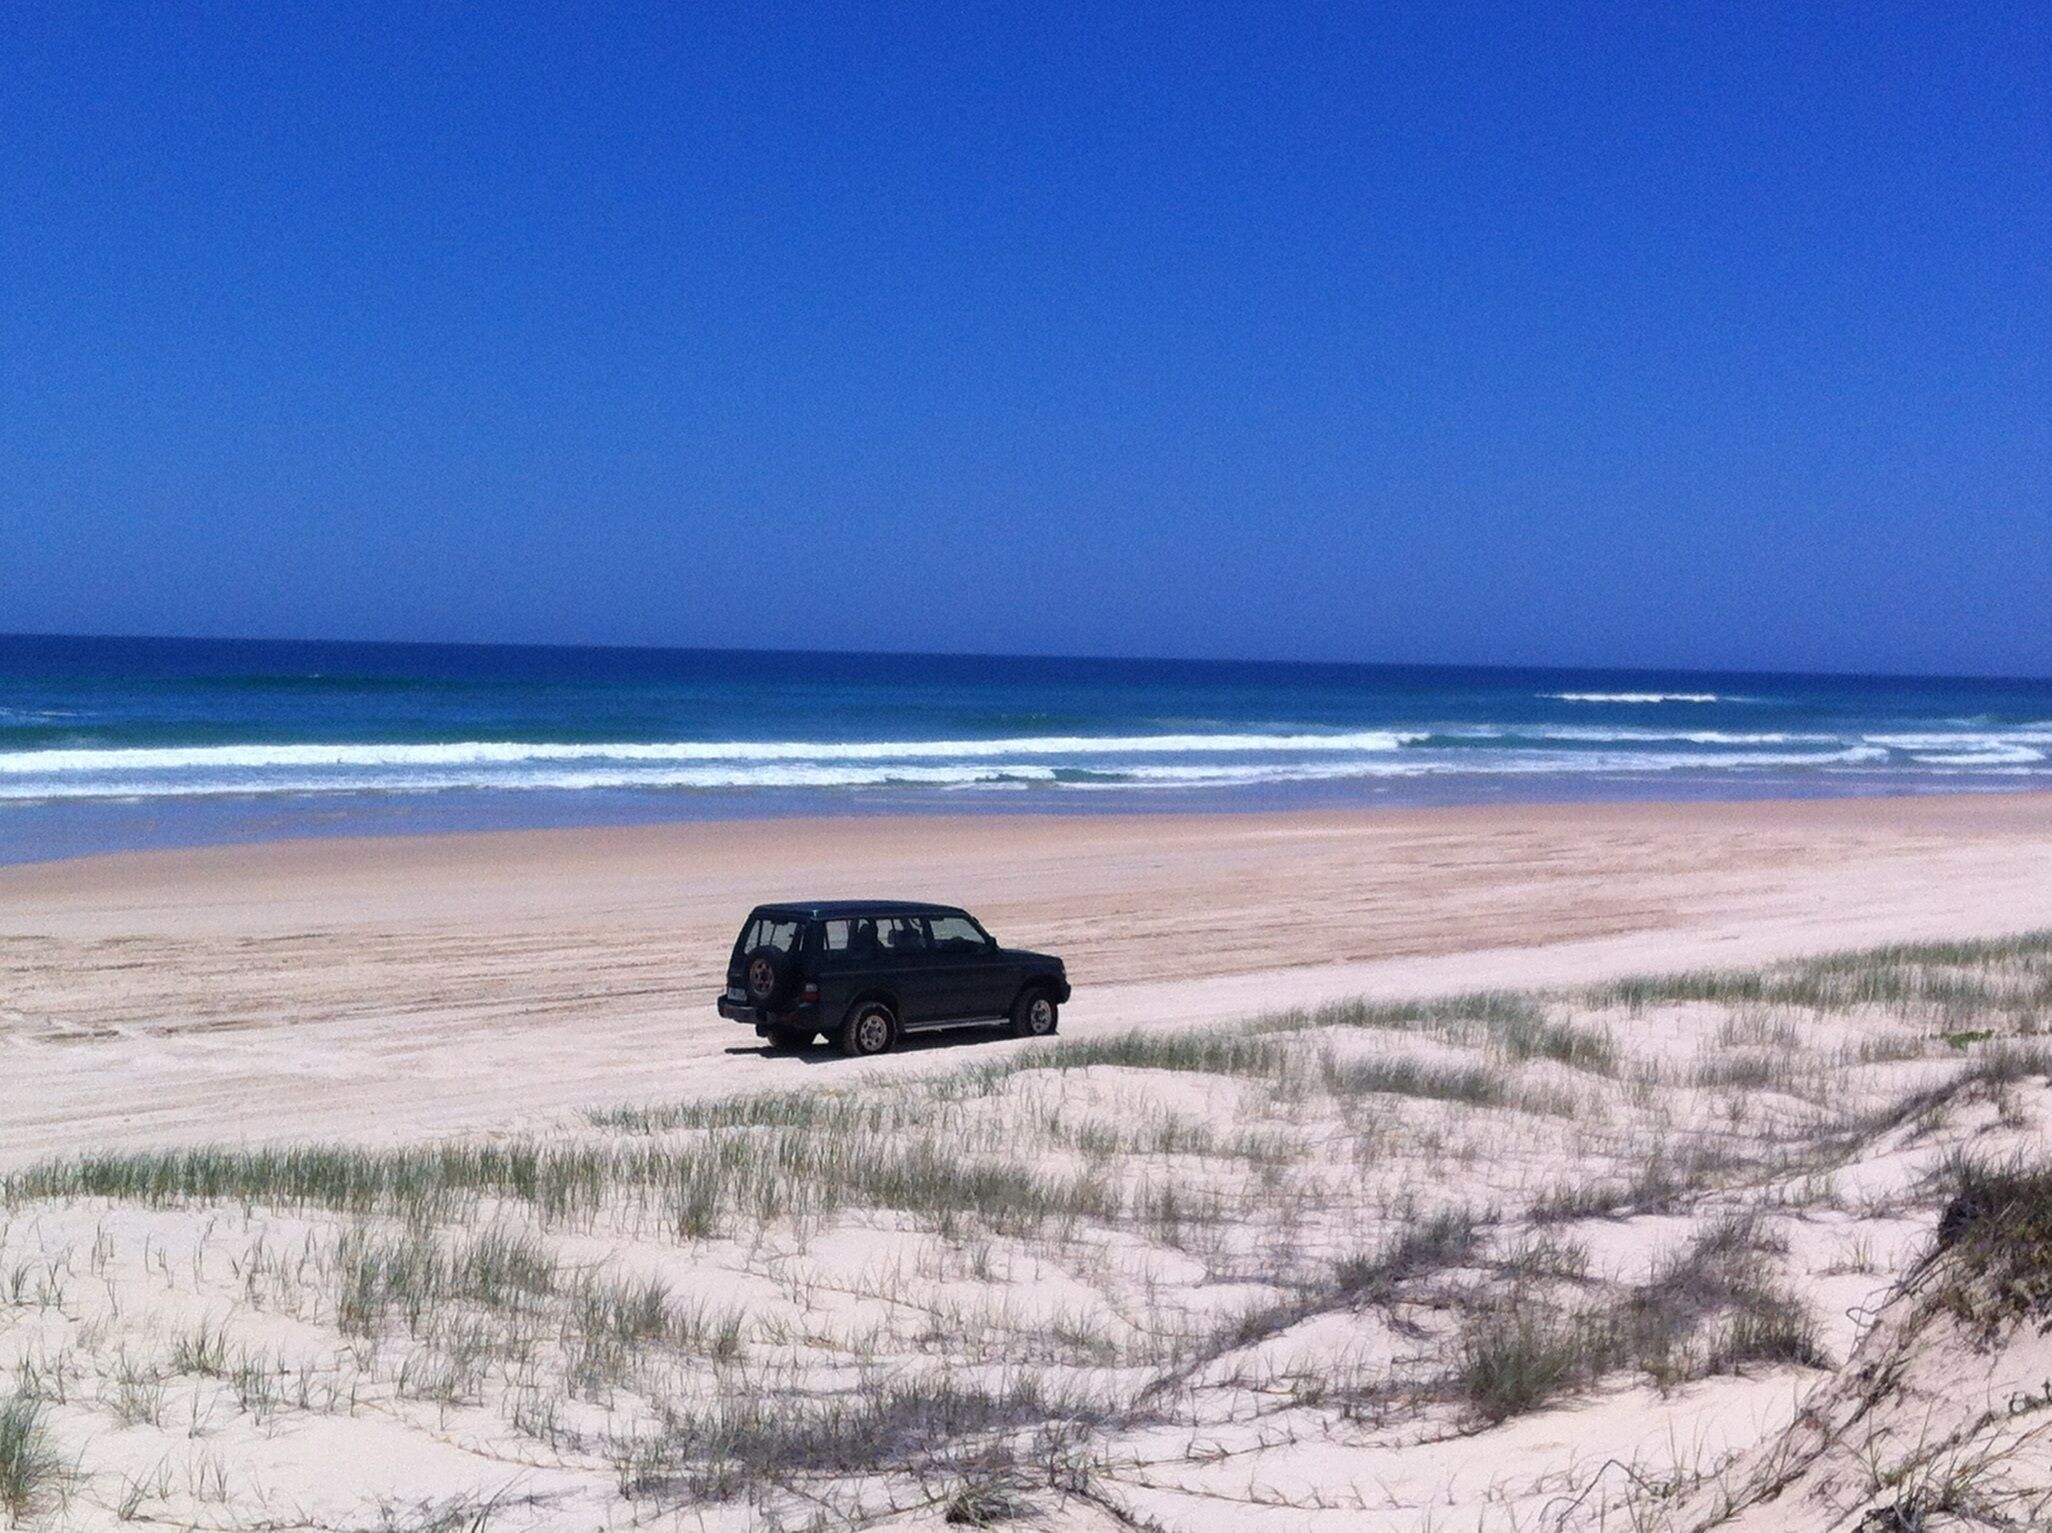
767,974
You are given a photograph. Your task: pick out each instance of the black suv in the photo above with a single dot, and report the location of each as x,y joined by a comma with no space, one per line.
864,972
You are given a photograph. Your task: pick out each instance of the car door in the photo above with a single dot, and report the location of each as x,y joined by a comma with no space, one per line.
907,967
976,981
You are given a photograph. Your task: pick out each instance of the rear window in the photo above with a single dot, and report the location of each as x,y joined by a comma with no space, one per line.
779,932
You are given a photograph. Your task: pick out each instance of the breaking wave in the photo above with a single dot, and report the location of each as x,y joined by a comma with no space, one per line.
1168,759
1139,763
517,753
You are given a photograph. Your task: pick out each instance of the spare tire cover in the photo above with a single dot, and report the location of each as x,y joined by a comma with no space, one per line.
767,973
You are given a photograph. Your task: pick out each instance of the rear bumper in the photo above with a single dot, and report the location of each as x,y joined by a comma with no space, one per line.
762,1018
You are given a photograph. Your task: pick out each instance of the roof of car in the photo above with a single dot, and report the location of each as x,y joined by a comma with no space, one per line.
830,910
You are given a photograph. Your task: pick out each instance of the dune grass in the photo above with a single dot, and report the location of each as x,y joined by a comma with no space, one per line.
1434,1243
814,1170
1996,1232
31,1470
2004,982
1713,1306
2007,983
930,1422
925,1152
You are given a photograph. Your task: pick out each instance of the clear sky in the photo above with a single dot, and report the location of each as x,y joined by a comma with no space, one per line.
1712,335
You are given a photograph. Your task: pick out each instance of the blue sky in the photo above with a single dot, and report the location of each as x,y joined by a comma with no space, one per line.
1720,336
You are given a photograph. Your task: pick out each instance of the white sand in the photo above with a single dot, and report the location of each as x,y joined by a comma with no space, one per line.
487,986
393,988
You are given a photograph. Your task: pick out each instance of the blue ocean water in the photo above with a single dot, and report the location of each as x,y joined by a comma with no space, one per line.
110,743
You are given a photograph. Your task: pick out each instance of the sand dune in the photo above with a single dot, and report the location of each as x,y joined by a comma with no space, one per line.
1582,1260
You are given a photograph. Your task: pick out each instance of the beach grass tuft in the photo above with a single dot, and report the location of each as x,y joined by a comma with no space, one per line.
1996,1232
31,1471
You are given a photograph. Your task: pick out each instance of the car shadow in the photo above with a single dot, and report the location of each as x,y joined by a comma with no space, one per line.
918,1043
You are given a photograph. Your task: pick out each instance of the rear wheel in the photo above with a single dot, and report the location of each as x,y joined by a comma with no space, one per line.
1034,1015
870,1029
790,1038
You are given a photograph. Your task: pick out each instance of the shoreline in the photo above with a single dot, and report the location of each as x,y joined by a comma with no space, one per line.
40,832
1076,812
380,988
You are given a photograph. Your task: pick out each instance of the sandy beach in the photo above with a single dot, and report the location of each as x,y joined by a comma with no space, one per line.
380,989
1294,1229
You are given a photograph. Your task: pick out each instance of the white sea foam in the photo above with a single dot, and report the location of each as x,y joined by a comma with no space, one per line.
513,753
1636,697
1594,735
2007,755
573,776
2022,746
1510,764
780,775
1277,754
1967,740
1520,762
503,759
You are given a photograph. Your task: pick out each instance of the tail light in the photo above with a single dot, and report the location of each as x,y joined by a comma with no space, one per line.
811,992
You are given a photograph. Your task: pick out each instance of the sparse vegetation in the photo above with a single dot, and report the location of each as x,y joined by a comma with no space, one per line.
1476,1085
1710,1307
973,1291
985,1502
1996,1231
1449,1238
1960,986
755,1440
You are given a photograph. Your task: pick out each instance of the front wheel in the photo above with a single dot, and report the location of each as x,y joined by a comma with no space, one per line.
870,1029
1034,1015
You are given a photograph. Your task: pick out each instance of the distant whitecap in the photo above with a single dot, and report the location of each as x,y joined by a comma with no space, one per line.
1638,697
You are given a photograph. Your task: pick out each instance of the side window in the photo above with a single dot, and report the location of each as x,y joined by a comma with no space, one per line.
956,934
901,935
857,940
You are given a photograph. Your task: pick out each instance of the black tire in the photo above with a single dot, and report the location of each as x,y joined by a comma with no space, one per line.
790,1038
1035,1014
871,1028
766,975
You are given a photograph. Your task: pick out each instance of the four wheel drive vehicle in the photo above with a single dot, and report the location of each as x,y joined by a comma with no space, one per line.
866,972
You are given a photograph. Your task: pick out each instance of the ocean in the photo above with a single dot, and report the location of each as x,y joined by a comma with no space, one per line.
119,743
